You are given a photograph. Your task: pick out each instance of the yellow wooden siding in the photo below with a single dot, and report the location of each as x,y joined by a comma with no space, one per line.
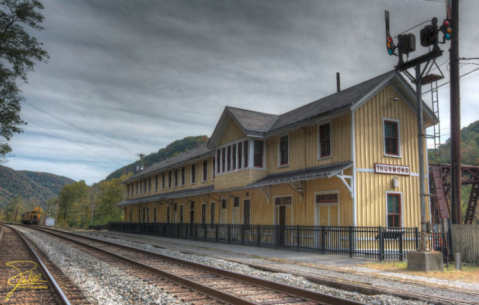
238,178
188,185
371,201
369,131
369,149
232,133
303,147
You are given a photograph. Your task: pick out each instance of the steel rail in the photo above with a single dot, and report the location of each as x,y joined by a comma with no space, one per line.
56,288
299,292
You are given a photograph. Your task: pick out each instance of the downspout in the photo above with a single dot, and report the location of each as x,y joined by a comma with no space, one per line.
353,155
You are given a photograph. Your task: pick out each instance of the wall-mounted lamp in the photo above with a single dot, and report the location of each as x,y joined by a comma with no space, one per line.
395,99
395,182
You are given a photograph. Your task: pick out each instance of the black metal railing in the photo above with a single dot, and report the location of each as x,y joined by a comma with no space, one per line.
369,242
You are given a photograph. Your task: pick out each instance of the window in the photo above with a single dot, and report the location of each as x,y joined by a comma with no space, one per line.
223,158
391,138
234,156
163,181
156,182
193,173
149,184
141,186
205,170
325,141
218,160
229,158
128,191
327,198
203,214
240,155
139,215
283,150
176,177
214,172
224,204
137,187
169,179
144,215
236,202
212,214
144,185
283,200
258,153
247,212
168,214
246,153
394,210
154,214
131,215
183,174
192,212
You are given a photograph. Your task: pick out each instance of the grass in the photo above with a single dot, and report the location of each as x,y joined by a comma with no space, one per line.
469,273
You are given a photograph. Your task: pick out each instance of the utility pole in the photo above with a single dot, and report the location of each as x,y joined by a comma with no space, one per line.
456,208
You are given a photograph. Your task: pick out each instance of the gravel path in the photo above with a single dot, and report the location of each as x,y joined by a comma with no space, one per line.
101,282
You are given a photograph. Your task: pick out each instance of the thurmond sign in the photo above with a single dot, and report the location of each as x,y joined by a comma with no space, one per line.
391,169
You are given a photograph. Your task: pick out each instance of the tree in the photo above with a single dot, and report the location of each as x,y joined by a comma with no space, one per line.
18,54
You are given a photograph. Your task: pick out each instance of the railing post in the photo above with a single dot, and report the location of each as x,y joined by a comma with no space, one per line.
229,233
350,241
323,235
216,233
417,237
381,244
400,248
259,235
242,234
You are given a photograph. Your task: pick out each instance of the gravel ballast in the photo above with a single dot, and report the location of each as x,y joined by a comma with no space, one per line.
101,282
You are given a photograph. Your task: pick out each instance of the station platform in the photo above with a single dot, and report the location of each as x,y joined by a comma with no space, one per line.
207,248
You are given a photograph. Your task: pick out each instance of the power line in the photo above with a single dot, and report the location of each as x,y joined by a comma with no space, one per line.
99,137
449,82
58,135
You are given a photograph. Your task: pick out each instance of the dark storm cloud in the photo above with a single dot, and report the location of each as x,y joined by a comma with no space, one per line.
145,73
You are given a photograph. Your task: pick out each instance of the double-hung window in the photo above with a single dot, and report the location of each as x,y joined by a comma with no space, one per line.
246,154
223,159
229,159
218,161
234,156
205,170
176,177
394,209
214,172
183,174
258,153
284,150
169,179
325,141
163,181
240,155
156,182
391,138
193,173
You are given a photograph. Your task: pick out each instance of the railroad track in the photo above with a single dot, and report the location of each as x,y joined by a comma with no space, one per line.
196,283
30,277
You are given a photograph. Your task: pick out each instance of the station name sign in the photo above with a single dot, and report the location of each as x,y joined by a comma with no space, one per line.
391,169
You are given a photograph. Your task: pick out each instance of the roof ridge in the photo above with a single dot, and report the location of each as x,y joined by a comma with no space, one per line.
251,110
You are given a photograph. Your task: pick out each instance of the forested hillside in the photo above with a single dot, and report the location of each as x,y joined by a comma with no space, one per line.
29,185
169,151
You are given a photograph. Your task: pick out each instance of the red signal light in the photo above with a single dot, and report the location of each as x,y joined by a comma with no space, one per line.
446,22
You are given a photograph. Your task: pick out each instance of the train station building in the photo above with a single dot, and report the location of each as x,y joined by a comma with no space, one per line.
348,159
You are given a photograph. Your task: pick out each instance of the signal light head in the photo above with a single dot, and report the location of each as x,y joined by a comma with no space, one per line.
446,22
447,36
449,30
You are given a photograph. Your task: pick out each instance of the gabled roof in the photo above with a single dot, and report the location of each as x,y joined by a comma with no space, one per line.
192,154
255,123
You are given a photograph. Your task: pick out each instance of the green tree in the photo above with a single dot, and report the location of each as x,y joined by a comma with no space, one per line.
16,205
111,192
74,204
18,54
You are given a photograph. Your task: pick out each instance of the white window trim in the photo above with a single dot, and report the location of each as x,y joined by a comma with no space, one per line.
286,205
399,138
402,207
250,164
181,176
330,139
203,170
191,174
279,150
329,205
164,185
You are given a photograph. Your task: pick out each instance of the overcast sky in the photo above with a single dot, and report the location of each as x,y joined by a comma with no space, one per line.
126,77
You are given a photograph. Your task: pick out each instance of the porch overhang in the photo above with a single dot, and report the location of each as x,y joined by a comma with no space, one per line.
320,172
166,196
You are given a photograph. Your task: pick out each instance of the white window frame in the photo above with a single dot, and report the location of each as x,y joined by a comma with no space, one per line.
399,138
329,205
330,139
279,150
252,153
203,170
191,173
402,206
250,165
